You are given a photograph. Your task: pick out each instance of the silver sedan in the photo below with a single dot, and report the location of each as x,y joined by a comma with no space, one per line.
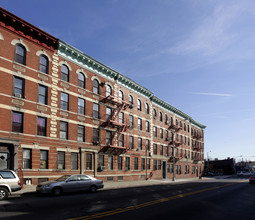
70,183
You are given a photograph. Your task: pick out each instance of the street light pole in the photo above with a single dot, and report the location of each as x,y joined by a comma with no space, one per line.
173,156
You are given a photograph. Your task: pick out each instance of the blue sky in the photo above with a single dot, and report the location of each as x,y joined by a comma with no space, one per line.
196,55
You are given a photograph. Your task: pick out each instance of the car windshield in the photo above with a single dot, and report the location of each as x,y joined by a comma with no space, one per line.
62,178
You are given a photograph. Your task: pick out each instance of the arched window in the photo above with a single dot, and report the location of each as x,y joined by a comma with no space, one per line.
160,116
44,64
81,80
166,119
64,73
95,86
108,90
172,121
139,105
176,122
184,127
121,95
147,109
180,124
154,113
130,99
20,54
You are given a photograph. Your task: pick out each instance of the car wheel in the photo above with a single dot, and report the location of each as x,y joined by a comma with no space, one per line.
57,191
3,193
93,189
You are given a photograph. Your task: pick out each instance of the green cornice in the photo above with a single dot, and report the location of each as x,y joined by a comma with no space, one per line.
83,59
133,85
88,62
169,107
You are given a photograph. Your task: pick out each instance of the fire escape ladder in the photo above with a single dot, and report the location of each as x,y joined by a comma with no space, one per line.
114,122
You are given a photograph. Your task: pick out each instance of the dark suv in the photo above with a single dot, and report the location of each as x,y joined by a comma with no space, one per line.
9,182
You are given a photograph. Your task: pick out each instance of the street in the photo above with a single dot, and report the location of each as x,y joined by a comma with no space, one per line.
231,198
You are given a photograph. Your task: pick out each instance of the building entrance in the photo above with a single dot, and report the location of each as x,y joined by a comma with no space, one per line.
164,170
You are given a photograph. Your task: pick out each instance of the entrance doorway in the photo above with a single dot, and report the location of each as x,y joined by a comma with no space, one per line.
8,156
164,170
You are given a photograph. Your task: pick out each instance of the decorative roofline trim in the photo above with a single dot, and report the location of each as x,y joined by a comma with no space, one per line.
91,64
26,30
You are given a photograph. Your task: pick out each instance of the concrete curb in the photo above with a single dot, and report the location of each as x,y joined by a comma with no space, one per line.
31,189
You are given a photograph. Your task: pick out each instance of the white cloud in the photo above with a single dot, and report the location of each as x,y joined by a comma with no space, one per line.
214,33
212,94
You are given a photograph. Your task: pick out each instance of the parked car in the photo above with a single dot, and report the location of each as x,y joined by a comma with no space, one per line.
9,182
252,178
244,173
70,183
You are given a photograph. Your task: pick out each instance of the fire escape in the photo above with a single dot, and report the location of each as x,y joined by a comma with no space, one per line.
114,123
175,142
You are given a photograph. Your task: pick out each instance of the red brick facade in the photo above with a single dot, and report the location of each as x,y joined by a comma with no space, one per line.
40,154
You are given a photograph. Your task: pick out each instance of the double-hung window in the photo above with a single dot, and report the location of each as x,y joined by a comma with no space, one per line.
131,121
18,87
108,90
95,110
17,122
88,161
81,106
155,151
42,94
64,73
108,113
63,130
81,133
127,163
81,80
119,163
95,86
108,138
64,101
61,160
74,161
44,64
27,159
131,142
20,54
147,123
43,159
139,143
136,163
96,134
139,124
41,126
110,162
121,140
121,118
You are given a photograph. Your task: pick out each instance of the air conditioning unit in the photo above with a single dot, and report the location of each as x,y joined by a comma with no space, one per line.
102,168
131,106
17,95
167,138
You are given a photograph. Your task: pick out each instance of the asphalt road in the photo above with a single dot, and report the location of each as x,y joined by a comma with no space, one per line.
207,199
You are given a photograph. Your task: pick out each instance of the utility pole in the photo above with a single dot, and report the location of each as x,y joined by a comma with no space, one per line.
173,156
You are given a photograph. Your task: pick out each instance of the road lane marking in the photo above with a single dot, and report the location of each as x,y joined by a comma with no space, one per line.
142,205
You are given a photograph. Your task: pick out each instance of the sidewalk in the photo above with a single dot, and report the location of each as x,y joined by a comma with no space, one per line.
120,184
127,184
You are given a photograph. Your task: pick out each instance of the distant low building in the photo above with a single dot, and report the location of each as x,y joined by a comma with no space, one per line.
226,166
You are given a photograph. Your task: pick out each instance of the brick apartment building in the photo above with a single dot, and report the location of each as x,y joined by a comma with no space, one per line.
63,112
